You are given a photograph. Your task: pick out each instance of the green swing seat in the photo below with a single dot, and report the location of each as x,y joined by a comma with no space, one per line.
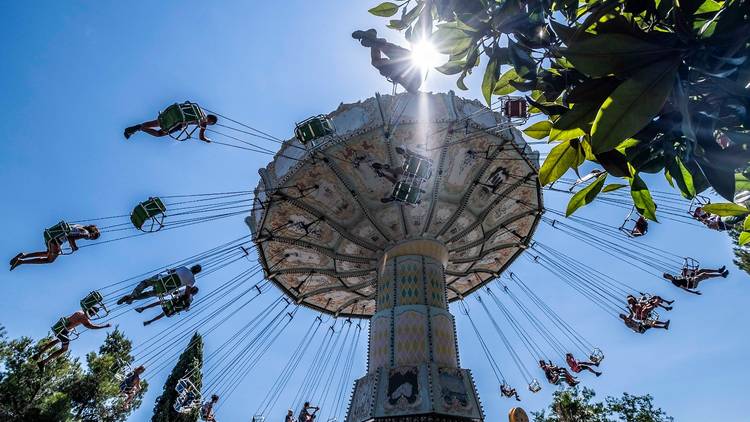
60,329
93,305
180,115
151,210
313,128
57,233
166,284
172,307
403,192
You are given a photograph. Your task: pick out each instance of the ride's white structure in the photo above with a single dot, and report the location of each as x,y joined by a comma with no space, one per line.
414,201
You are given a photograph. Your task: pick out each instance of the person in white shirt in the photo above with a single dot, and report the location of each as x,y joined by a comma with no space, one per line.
163,285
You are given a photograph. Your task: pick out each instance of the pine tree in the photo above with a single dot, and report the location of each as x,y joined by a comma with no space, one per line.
741,253
189,362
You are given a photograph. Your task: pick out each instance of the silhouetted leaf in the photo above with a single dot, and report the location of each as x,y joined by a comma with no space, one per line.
489,80
613,187
633,104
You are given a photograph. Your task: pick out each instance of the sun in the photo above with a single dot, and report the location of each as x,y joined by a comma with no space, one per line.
425,56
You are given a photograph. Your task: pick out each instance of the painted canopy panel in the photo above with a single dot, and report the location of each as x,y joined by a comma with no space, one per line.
324,211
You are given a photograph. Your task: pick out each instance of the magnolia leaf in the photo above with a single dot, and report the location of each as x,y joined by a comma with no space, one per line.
615,163
386,9
607,54
744,238
741,182
642,199
746,223
686,179
633,104
561,158
613,187
574,123
727,209
585,195
503,87
451,41
489,80
539,130
452,67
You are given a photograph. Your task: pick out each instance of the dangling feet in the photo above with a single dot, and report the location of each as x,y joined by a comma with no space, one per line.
725,273
598,374
145,323
666,325
125,299
667,308
139,309
722,269
16,261
131,130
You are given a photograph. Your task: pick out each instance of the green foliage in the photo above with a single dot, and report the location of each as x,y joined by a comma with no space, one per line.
586,195
574,405
726,209
190,361
650,86
63,391
741,253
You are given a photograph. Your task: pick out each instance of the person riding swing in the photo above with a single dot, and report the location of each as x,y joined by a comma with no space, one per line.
55,237
179,278
63,331
305,415
689,279
553,373
207,409
509,392
172,306
397,67
176,119
578,366
641,327
131,385
640,228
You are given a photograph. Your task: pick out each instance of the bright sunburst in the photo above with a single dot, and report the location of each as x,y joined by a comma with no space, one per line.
425,56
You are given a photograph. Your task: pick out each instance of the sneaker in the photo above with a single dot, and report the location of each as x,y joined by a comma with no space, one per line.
139,310
145,323
723,268
131,130
666,326
16,261
598,374
124,299
725,273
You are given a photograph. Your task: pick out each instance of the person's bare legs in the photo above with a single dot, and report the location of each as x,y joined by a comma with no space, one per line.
149,306
156,318
587,366
53,356
44,348
46,257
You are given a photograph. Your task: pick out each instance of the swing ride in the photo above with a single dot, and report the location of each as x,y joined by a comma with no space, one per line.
401,229
377,216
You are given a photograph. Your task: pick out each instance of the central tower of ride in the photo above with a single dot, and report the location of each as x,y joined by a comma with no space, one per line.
389,209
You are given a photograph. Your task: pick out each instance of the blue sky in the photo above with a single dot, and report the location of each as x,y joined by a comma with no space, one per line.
75,74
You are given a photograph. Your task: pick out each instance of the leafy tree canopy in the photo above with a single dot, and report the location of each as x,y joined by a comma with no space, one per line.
574,405
637,86
64,390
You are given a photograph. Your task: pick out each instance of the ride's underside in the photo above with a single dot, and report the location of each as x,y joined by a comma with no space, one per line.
324,215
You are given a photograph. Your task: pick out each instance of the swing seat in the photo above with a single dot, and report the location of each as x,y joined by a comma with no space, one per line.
150,211
91,301
60,330
181,115
122,369
166,284
259,418
596,355
58,233
188,396
515,108
408,188
534,386
172,307
313,128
